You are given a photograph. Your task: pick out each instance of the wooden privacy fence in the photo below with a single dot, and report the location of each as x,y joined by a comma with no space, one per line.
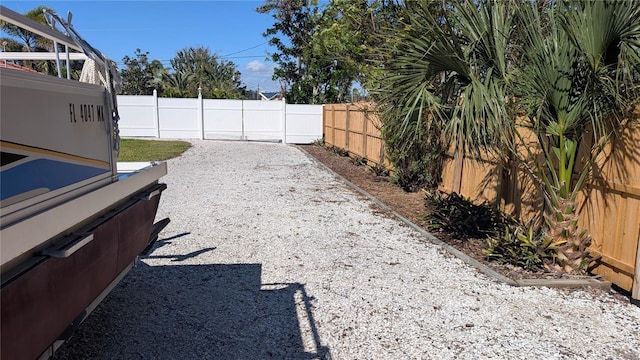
609,206
353,128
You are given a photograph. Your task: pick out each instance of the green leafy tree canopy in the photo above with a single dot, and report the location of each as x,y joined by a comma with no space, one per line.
141,76
197,68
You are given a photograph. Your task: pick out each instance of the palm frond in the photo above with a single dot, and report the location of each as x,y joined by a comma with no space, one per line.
607,34
453,69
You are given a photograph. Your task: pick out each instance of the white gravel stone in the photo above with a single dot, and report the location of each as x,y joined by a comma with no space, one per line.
270,256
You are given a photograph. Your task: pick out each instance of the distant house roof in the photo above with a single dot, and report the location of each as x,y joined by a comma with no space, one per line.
270,95
9,65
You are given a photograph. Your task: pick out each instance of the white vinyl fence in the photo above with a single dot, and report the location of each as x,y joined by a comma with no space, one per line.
170,118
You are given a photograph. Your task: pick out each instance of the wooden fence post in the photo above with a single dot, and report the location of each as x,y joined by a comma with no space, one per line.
635,291
346,129
365,134
458,163
333,125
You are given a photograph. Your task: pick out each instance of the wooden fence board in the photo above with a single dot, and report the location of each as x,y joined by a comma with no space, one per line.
356,143
479,181
592,209
635,290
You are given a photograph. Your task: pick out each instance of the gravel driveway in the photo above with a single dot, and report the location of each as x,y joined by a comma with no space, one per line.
269,256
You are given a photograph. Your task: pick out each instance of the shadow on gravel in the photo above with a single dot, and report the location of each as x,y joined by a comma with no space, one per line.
220,311
180,257
166,241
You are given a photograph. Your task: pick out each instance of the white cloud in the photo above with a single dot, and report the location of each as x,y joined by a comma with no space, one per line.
257,68
257,74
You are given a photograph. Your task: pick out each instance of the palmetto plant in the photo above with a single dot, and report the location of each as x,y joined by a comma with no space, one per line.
443,81
177,83
469,67
450,67
575,85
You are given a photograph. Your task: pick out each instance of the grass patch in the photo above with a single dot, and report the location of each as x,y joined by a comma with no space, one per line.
150,150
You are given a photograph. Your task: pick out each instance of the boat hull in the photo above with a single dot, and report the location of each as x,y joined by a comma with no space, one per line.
46,300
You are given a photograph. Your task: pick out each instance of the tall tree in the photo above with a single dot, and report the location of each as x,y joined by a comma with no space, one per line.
349,33
177,84
291,34
141,76
10,45
196,68
323,50
30,41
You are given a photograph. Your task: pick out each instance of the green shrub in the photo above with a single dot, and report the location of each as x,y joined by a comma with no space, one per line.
338,151
416,171
523,246
379,170
415,150
460,217
358,160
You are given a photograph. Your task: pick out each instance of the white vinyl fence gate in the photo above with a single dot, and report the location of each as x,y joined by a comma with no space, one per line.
171,118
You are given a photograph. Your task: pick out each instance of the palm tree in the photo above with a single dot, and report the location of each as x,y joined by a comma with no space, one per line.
575,84
445,74
197,68
462,69
176,84
32,42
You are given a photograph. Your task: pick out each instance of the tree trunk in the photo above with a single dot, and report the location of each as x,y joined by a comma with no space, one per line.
573,256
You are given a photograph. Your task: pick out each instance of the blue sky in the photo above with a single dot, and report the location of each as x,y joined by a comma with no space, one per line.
231,29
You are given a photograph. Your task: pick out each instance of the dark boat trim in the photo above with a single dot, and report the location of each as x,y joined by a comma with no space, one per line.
50,298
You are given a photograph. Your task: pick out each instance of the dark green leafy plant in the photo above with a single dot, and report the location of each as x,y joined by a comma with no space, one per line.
417,168
379,170
338,151
460,217
525,246
358,160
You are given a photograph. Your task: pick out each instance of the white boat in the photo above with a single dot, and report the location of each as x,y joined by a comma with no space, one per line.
71,225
